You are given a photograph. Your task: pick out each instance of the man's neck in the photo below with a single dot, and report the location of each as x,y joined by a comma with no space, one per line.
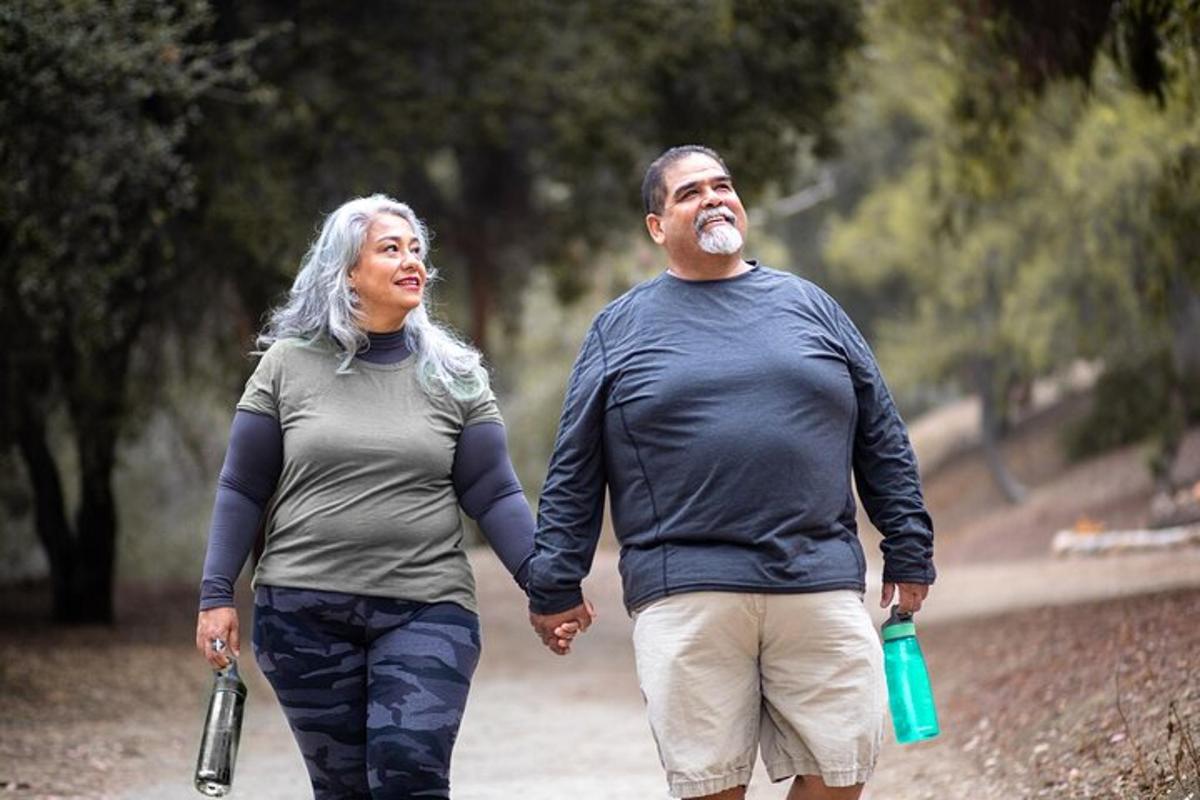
713,268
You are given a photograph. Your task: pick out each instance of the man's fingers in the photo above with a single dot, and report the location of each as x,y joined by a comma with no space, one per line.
885,597
558,630
912,597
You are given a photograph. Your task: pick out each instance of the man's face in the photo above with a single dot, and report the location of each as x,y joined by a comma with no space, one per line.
701,213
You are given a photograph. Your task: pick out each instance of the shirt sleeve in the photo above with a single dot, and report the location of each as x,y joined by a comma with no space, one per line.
261,395
490,493
572,504
885,467
249,476
481,409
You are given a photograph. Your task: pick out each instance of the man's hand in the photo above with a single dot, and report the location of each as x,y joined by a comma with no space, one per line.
911,596
557,630
218,623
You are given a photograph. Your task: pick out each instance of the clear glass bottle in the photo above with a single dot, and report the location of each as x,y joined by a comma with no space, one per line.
222,730
910,697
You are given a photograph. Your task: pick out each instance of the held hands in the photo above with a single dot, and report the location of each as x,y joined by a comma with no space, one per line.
558,630
218,623
912,595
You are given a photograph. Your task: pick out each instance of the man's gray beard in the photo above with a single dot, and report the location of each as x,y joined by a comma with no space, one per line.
723,240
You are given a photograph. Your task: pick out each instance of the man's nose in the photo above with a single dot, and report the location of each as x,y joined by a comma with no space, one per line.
709,198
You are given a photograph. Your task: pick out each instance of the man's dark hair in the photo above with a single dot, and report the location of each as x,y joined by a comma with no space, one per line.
654,191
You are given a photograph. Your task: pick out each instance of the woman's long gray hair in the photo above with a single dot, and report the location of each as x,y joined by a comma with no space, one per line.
322,304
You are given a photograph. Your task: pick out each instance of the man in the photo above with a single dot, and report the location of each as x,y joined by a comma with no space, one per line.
724,406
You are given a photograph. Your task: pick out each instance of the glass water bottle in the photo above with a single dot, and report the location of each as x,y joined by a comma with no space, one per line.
222,729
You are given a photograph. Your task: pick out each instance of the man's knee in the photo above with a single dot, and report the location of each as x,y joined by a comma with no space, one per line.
812,787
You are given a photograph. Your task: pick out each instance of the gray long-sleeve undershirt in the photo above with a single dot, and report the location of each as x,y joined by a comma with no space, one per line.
484,481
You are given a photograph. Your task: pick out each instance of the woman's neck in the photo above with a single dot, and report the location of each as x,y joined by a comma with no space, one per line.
385,348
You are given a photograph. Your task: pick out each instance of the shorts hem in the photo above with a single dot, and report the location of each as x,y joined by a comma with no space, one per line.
681,787
782,770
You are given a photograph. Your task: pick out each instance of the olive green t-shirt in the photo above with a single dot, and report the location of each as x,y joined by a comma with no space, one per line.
365,503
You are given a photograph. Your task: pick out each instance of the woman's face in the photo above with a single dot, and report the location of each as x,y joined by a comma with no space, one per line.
389,275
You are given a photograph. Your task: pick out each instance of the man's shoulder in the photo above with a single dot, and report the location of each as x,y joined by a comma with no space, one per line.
628,306
795,285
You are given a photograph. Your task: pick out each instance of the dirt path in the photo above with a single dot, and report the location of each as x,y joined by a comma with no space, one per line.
542,727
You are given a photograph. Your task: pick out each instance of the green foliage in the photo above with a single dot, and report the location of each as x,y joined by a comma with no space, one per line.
1033,220
100,100
1127,408
520,129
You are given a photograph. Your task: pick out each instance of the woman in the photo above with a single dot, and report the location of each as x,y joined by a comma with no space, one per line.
363,428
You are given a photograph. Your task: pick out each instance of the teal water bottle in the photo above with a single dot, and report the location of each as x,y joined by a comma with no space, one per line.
910,696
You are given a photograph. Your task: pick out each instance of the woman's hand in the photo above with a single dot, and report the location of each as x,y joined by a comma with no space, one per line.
557,631
218,623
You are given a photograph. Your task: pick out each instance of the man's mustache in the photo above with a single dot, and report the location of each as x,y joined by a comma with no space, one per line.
708,215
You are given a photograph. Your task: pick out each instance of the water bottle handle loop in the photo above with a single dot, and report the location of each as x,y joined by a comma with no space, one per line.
219,646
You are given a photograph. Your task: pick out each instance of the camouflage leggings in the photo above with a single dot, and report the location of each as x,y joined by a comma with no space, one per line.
373,688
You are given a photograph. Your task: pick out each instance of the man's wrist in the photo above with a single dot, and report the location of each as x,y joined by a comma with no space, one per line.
546,603
909,573
920,580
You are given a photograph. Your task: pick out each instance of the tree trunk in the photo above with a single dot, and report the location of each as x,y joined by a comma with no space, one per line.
97,402
1170,429
95,526
481,271
81,562
991,425
50,514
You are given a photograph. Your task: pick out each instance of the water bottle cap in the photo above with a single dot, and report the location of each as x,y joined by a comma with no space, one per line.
898,630
898,626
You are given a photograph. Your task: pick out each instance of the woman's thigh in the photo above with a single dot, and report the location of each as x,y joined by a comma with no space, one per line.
305,644
419,668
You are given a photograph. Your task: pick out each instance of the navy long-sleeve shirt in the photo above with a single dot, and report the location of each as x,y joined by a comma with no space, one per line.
725,419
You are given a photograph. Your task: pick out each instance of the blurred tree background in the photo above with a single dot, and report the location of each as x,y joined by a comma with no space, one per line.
1031,201
995,189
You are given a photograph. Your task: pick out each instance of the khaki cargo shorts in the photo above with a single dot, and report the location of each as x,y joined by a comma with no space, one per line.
723,673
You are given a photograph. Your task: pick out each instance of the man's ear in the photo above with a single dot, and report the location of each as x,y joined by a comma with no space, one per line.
655,226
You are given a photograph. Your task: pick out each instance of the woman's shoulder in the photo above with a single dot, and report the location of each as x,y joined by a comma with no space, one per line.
294,352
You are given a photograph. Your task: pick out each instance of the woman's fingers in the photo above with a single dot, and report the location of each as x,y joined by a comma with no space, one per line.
218,624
